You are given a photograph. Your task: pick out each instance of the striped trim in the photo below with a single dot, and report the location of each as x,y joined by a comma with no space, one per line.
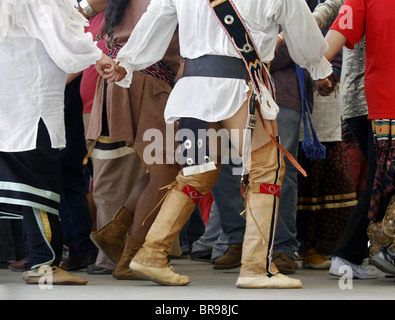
334,201
13,193
383,129
327,206
274,218
26,203
217,2
45,229
333,197
20,187
111,154
11,216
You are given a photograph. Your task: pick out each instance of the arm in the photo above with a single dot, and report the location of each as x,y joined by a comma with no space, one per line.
336,41
89,8
304,39
60,28
326,13
149,40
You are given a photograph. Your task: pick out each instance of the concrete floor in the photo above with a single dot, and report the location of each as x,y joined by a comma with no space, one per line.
206,284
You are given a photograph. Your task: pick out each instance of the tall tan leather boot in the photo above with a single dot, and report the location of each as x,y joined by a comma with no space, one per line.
122,271
111,238
265,179
151,261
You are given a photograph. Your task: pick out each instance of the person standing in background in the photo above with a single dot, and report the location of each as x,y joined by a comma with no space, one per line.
40,42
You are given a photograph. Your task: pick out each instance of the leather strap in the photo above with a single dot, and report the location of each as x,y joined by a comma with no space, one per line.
215,66
192,193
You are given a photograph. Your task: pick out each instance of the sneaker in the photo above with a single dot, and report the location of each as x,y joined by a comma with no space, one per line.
314,260
384,259
359,271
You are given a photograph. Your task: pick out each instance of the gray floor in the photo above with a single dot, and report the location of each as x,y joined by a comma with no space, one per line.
206,284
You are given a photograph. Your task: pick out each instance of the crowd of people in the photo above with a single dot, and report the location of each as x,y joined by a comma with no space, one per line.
247,134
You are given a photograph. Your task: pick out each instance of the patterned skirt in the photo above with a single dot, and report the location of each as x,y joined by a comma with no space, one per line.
326,198
383,188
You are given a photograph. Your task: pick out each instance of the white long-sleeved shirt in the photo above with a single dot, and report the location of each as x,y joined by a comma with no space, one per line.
214,99
46,41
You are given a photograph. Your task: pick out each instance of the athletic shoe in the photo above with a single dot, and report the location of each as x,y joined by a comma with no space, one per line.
359,271
384,259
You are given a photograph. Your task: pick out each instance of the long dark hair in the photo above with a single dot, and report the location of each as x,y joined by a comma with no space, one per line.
113,16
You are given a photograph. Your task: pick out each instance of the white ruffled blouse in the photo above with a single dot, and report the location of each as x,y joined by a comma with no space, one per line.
214,99
40,42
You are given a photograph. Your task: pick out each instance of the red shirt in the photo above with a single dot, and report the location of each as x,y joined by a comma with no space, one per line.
376,19
90,75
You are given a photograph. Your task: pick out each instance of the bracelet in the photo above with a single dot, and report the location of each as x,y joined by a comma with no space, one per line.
281,38
87,9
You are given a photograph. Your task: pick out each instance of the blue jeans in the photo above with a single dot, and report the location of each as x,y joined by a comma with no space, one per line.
288,121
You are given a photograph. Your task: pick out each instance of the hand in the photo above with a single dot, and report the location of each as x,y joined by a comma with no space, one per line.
110,70
114,74
105,66
325,87
120,73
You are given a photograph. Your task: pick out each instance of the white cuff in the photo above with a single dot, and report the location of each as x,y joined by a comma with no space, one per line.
321,70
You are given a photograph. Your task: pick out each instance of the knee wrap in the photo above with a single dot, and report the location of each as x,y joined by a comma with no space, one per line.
194,154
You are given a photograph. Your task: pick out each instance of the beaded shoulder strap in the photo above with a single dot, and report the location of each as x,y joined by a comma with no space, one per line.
238,33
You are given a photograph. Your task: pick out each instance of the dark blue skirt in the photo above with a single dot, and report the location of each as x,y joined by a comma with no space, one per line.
30,178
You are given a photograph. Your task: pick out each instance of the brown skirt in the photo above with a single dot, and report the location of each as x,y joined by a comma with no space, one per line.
132,111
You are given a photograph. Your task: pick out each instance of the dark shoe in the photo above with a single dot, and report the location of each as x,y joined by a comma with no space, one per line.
18,266
75,263
72,264
284,263
94,269
231,259
195,256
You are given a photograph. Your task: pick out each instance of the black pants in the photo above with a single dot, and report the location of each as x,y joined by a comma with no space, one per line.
353,246
76,221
